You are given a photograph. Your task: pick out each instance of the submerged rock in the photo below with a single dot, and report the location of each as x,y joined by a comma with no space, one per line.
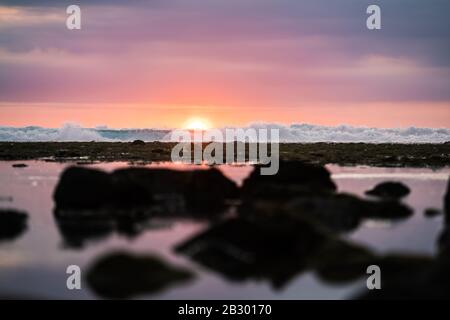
19,165
432,212
122,275
390,190
12,224
335,212
274,249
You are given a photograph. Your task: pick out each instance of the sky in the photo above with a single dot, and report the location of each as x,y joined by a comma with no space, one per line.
158,63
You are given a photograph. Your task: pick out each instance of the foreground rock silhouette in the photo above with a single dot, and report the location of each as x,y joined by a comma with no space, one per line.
277,249
198,190
12,224
91,204
306,191
389,190
123,275
293,178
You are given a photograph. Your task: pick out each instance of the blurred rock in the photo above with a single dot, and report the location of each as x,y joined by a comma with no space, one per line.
92,204
122,275
12,224
274,249
293,178
336,212
83,188
19,165
389,190
201,191
197,190
138,143
432,212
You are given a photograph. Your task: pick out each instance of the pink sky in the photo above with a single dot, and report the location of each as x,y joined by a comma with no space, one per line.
230,62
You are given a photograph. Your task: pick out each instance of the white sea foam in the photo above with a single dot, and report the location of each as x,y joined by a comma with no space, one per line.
288,133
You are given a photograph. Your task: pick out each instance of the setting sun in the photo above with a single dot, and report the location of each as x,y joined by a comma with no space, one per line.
197,124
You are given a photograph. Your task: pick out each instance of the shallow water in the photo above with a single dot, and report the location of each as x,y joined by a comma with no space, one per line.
34,265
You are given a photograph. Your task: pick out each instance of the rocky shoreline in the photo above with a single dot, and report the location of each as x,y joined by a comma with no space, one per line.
380,155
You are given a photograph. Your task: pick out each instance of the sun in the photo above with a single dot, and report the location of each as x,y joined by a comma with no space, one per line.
197,124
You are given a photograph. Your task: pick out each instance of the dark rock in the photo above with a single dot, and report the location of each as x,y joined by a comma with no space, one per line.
278,248
293,178
274,249
6,199
432,212
335,212
205,191
77,231
12,224
390,190
122,275
92,204
138,143
19,165
83,188
340,262
412,277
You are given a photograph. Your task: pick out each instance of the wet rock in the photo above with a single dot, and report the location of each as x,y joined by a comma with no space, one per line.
411,277
293,178
12,224
76,232
203,191
340,262
138,143
273,249
80,227
432,212
335,212
92,204
83,188
390,190
122,275
19,165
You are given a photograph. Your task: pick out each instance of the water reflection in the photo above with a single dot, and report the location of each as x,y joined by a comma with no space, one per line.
13,223
303,224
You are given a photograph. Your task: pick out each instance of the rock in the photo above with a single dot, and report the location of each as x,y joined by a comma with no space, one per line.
83,188
275,249
138,143
19,165
6,199
122,275
92,204
278,248
202,191
12,224
432,212
293,178
335,212
390,190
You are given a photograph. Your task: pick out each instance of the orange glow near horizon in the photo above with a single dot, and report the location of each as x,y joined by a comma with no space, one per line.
382,115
